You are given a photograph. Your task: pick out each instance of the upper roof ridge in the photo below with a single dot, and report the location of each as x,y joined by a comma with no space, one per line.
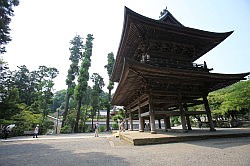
167,17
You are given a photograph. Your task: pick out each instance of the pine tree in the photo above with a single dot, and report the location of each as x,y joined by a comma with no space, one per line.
76,52
6,12
109,68
83,78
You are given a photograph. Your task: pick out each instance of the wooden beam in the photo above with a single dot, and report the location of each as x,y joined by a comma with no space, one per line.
175,93
135,102
173,113
145,114
145,103
134,109
137,107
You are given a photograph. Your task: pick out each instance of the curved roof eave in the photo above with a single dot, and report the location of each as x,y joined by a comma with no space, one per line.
130,16
123,90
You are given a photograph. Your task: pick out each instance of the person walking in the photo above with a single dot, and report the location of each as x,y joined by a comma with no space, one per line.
96,129
36,131
6,131
122,126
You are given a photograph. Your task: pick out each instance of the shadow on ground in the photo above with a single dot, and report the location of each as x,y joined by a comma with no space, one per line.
42,154
222,143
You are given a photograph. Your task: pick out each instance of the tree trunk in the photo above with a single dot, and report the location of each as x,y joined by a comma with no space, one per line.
78,115
92,120
66,109
108,112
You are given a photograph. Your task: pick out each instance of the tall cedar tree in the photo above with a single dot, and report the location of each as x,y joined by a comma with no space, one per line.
83,78
109,67
6,12
76,52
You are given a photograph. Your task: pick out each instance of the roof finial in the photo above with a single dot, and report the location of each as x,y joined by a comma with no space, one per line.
163,12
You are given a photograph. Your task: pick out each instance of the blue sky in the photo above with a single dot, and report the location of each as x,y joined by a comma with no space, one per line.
42,29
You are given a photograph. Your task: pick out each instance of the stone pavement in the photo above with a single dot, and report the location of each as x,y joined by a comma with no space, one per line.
57,137
146,138
87,150
106,150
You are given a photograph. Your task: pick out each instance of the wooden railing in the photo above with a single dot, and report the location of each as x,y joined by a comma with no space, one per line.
176,64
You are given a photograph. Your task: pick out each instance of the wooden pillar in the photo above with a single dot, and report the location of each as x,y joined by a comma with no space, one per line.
126,121
209,116
131,121
141,124
168,124
159,123
183,119
187,118
152,115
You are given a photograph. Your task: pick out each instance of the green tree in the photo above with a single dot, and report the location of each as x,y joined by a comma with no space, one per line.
230,101
85,115
23,83
75,56
6,12
59,100
45,88
109,67
83,78
9,105
35,87
95,94
5,79
27,120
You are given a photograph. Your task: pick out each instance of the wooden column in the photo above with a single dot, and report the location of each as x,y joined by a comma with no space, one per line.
141,124
209,116
183,119
131,121
126,119
187,118
159,123
152,115
168,124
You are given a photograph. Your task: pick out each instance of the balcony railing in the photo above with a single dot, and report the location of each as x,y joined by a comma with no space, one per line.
176,64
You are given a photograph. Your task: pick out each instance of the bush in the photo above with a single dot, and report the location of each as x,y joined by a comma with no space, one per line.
66,130
115,126
16,131
102,128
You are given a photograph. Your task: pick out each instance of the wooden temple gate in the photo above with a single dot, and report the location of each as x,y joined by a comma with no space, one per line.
156,74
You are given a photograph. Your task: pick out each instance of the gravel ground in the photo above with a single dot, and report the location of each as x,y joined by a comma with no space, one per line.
107,150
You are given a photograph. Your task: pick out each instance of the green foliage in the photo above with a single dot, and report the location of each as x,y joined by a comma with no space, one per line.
110,65
175,120
26,120
71,119
83,77
76,52
120,116
6,12
66,129
9,106
59,100
5,79
231,101
85,114
26,96
47,124
102,128
115,126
